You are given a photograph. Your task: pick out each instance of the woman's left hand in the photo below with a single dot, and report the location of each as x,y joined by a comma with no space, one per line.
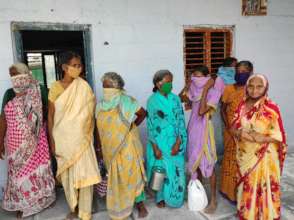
175,149
131,127
258,138
209,84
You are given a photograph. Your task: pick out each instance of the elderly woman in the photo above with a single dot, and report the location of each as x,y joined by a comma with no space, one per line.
30,185
167,140
118,116
261,150
71,128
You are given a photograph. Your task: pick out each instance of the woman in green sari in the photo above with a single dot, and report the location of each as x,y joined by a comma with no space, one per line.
167,140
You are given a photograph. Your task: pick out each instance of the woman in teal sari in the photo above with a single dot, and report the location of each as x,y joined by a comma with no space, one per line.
167,140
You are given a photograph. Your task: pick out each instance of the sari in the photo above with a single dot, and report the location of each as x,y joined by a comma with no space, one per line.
165,123
201,142
122,153
30,185
73,135
260,164
232,97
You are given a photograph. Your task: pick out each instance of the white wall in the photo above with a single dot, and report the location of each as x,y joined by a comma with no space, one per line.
145,36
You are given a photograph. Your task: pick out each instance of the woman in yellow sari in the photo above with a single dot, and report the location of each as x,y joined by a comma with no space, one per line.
118,116
261,150
71,127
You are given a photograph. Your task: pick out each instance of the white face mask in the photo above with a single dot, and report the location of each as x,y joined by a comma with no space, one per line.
110,93
20,82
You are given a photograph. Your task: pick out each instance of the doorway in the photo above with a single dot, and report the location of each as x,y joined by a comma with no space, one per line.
39,45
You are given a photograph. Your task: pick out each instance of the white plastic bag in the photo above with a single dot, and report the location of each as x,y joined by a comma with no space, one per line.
197,198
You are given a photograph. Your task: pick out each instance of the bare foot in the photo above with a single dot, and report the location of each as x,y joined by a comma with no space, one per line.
72,215
210,209
161,204
142,210
18,215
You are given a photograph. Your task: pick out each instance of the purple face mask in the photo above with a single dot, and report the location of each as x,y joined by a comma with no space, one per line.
241,78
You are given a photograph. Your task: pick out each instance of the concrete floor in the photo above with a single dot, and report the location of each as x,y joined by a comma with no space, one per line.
225,210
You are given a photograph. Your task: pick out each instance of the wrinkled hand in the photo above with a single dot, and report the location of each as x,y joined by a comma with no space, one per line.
259,138
236,133
240,134
246,136
157,154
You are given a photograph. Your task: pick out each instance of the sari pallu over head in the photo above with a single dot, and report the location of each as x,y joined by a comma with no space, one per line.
126,108
29,118
267,113
30,183
30,103
122,152
201,142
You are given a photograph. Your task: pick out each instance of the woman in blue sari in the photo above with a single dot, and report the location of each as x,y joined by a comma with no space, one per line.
167,140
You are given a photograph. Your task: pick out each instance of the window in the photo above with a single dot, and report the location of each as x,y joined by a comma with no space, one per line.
206,46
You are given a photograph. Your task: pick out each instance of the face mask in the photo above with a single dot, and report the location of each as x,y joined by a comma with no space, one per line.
196,78
110,93
166,88
241,78
73,71
230,71
20,83
199,81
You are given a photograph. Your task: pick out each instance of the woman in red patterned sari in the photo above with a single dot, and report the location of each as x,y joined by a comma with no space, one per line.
261,150
30,184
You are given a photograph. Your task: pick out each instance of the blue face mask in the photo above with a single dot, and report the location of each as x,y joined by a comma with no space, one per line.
241,78
227,74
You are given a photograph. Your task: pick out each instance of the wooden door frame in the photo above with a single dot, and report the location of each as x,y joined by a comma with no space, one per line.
17,44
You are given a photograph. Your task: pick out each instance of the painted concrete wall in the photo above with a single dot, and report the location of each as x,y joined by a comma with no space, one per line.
145,36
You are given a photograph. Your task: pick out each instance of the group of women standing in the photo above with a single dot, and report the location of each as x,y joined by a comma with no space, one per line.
255,144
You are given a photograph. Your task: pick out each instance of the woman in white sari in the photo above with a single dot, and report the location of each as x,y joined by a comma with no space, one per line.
71,124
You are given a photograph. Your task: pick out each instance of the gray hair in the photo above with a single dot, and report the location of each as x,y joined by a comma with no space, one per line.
158,76
21,68
116,80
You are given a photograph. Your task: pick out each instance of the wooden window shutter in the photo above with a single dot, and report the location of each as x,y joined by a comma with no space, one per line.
206,46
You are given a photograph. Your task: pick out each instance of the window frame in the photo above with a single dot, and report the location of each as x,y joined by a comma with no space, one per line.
207,53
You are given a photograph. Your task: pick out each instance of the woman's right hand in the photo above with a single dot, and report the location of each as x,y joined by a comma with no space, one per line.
158,154
2,152
187,86
52,147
